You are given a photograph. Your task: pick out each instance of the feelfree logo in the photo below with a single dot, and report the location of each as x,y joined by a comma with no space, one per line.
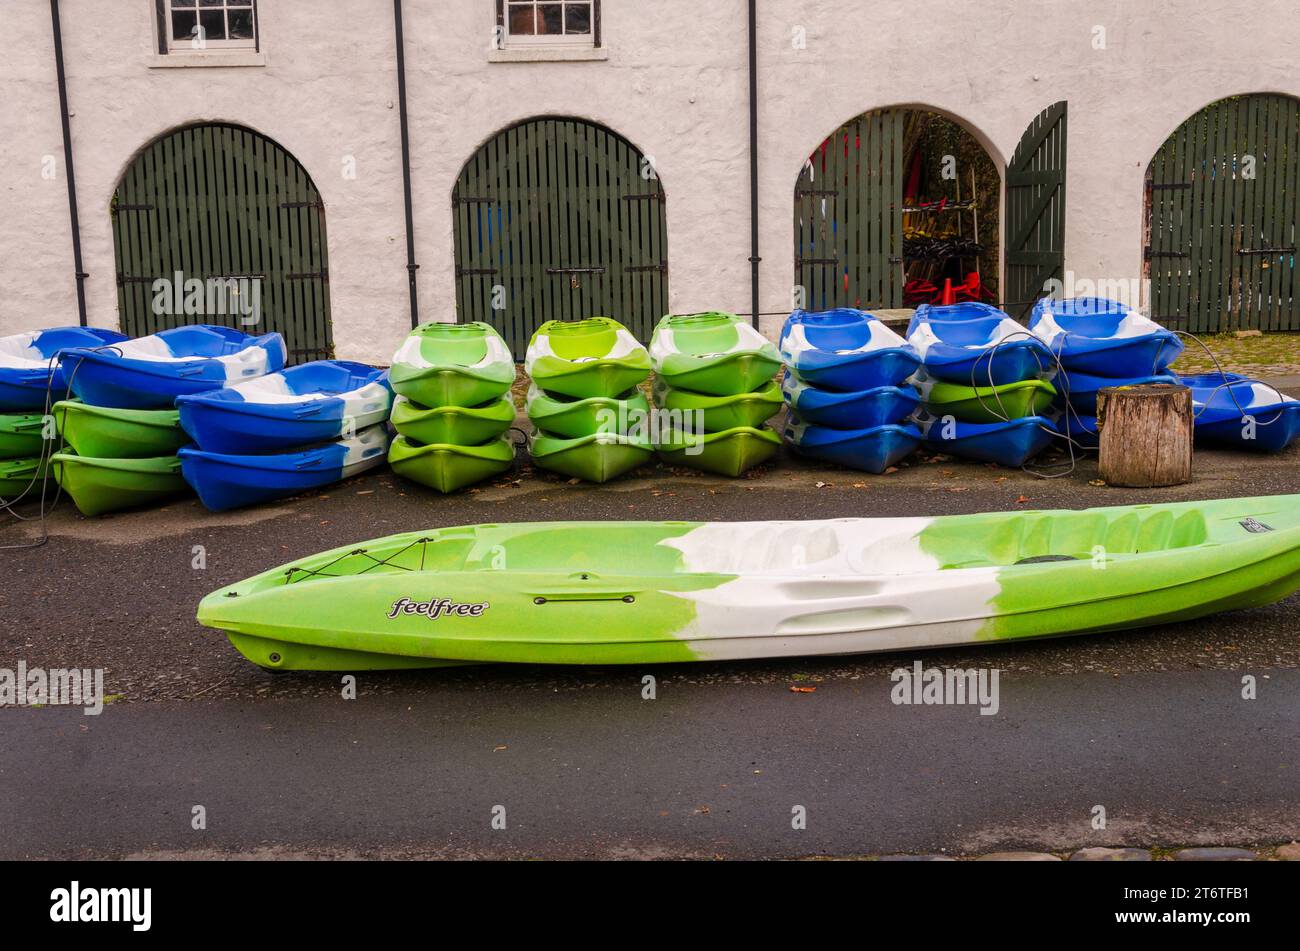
436,608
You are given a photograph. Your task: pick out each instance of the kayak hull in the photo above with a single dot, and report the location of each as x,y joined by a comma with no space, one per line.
575,418
647,592
846,350
37,374
730,452
872,449
1081,389
1006,443
986,404
714,353
596,458
22,478
1102,337
448,467
710,414
441,364
106,433
1233,410
594,357
454,425
21,435
98,486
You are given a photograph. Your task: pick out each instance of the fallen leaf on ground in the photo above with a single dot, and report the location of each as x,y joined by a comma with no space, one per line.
797,689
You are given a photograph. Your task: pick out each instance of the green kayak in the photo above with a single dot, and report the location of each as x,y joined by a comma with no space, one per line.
457,425
21,435
717,413
107,433
585,358
17,476
573,418
714,353
617,592
448,467
985,404
452,365
730,452
596,458
100,485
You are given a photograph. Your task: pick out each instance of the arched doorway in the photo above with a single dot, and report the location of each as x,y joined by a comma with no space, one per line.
898,203
559,218
228,208
1222,199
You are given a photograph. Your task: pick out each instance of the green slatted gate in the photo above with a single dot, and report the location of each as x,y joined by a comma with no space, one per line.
848,219
221,203
559,219
1222,201
1035,212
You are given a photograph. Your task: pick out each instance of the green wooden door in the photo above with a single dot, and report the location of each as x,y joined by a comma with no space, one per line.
559,219
1035,212
1222,207
848,218
221,204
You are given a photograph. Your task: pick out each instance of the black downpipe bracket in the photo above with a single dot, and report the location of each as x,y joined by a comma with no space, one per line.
411,266
753,161
67,164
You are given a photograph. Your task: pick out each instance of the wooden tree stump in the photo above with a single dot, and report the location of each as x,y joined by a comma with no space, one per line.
1146,435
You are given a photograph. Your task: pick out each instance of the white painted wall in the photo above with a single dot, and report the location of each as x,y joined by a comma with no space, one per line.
674,84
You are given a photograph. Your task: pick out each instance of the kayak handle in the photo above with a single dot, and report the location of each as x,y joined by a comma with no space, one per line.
582,596
585,592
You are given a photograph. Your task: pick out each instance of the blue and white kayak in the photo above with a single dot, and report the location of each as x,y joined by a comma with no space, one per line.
29,371
1234,410
150,372
1008,443
845,349
311,403
227,481
976,349
1080,389
872,449
1101,336
861,410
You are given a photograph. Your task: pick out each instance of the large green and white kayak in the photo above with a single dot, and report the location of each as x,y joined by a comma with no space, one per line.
447,466
22,478
595,458
652,592
730,452
574,418
712,414
457,425
452,365
21,435
107,432
584,358
98,486
714,353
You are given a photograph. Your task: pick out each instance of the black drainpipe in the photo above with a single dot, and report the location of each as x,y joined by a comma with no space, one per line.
67,163
411,266
753,161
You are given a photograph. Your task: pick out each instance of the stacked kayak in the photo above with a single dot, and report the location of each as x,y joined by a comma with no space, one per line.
846,385
714,391
453,407
1100,343
982,384
664,592
284,433
591,421
1232,410
122,434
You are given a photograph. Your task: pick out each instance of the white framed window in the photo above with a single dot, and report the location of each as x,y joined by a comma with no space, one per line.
196,26
549,23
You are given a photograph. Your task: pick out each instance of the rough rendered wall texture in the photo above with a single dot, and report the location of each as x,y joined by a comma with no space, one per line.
674,83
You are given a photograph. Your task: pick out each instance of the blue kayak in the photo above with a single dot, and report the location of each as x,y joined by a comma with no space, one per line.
872,449
1082,429
1104,337
311,403
228,481
861,410
1080,389
150,372
976,348
845,349
1234,410
29,371
1008,443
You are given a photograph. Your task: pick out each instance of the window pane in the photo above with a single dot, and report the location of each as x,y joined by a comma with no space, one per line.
214,24
241,24
521,19
183,24
550,18
211,3
184,3
577,18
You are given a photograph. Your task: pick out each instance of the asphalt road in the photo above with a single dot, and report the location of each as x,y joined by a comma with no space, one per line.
1149,723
